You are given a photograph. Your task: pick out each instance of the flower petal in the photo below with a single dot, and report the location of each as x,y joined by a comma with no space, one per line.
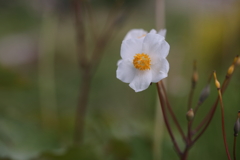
141,81
135,33
153,31
156,46
126,71
130,47
162,32
160,70
119,61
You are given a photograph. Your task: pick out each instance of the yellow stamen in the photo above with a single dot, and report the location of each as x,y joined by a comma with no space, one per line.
142,36
141,61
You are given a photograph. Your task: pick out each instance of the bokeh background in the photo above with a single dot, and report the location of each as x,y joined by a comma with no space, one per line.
40,80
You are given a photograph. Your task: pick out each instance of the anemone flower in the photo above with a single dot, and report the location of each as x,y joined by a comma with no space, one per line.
143,61
140,33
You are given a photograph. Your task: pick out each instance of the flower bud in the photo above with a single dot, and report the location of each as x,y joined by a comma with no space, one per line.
204,94
236,128
236,60
194,77
217,84
190,115
230,70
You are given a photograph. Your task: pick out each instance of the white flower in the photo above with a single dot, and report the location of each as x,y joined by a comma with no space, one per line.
143,60
140,33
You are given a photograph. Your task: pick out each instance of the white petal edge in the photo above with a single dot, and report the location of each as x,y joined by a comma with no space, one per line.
159,70
131,47
119,61
135,33
141,81
126,71
151,43
163,32
153,31
156,46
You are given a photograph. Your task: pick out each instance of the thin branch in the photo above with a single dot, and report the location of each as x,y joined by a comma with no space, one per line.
162,101
172,113
194,82
212,110
81,39
223,126
206,121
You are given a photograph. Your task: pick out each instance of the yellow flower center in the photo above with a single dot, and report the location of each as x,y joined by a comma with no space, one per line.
142,36
141,61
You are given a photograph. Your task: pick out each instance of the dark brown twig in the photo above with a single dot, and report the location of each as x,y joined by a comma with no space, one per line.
172,113
222,115
162,102
194,82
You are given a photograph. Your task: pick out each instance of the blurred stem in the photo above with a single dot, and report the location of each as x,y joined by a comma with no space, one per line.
47,93
200,102
210,114
172,113
194,82
223,125
85,68
185,153
82,106
88,66
206,121
81,41
158,127
190,97
162,102
189,131
160,14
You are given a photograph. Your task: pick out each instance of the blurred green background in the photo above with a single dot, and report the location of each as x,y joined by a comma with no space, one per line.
39,68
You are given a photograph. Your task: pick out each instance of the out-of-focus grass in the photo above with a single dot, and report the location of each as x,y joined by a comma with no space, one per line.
119,121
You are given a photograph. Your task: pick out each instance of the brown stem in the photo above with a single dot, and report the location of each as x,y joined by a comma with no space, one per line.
172,113
189,132
223,126
82,106
84,66
190,98
81,43
203,98
93,26
161,98
210,114
206,121
185,153
197,107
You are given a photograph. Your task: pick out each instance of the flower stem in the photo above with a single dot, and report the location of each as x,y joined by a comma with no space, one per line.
185,153
82,106
161,98
172,113
223,126
194,82
210,114
206,121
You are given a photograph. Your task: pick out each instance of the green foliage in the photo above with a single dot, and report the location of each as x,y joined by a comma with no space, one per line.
72,153
111,3
10,79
